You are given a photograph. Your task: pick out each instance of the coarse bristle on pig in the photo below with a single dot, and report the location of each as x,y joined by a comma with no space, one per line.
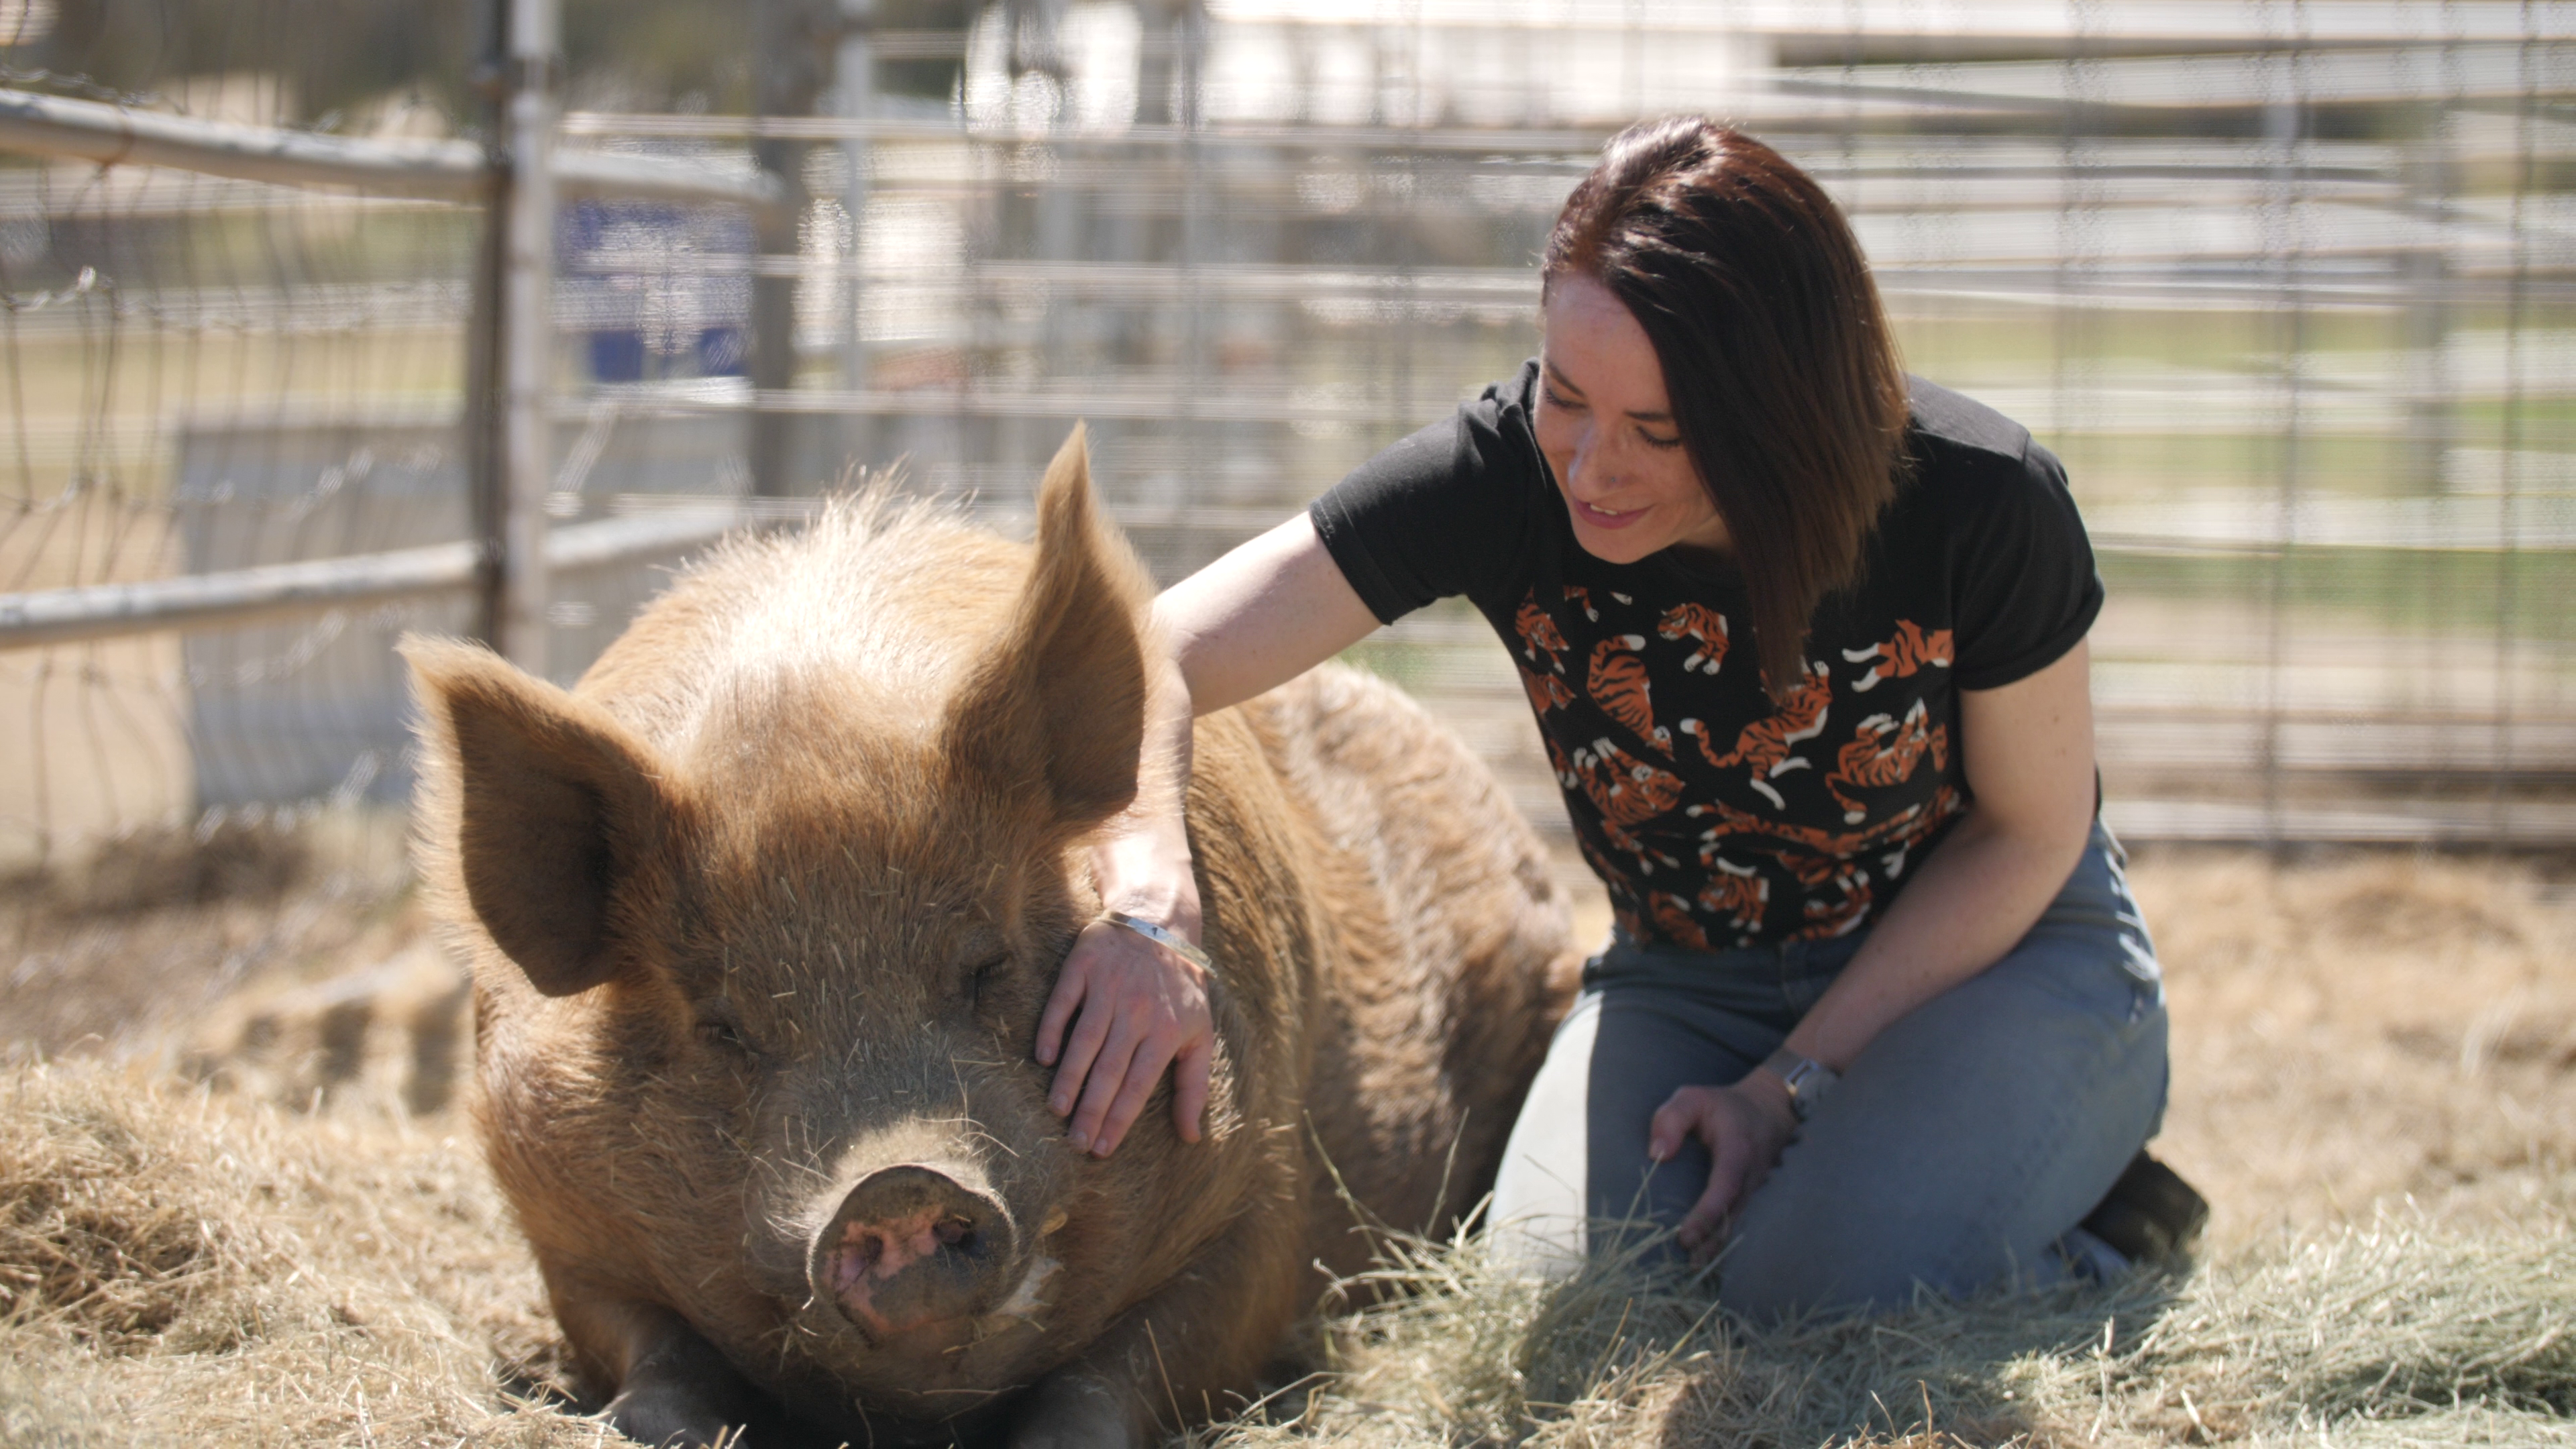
762,914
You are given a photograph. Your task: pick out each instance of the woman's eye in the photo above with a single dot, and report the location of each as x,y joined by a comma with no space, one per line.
1557,399
1654,442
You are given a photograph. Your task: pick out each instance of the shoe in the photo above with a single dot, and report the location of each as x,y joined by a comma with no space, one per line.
2151,1216
2090,1259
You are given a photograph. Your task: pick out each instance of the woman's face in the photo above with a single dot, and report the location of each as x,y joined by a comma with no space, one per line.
1607,430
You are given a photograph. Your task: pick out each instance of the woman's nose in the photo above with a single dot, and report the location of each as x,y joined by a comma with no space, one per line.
1590,475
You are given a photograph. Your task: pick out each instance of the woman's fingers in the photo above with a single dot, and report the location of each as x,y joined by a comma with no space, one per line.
1742,1144
1676,1122
1072,982
1144,1072
1729,1166
1122,1012
1109,1072
1074,993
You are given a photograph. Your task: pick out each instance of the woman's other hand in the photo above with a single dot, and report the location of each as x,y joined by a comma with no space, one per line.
1124,1009
1744,1127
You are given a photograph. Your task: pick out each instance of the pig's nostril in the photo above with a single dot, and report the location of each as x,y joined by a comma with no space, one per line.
909,1245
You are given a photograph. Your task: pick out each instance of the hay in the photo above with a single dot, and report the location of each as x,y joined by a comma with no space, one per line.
177,1267
2375,1083
2397,1334
120,952
2362,1028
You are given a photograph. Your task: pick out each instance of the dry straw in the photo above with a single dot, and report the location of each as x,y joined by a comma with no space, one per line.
178,1267
2397,1334
181,1266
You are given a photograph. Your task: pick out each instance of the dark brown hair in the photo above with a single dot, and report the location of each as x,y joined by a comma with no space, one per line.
1784,380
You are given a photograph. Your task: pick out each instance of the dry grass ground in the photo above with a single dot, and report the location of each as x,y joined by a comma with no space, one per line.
2375,1069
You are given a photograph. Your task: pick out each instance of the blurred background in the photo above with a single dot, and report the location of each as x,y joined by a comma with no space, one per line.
321,320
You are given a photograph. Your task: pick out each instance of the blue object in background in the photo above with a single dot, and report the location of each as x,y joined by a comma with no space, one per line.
660,292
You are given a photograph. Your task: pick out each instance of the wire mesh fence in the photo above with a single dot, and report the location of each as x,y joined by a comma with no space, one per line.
2287,286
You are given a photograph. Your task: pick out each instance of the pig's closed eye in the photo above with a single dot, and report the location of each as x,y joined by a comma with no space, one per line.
722,1032
984,974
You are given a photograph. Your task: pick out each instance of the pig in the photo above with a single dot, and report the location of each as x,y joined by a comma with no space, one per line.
761,916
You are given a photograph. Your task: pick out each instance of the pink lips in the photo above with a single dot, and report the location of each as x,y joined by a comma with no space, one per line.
1599,519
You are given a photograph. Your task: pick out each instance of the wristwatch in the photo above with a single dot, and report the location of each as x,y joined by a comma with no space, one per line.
1808,1080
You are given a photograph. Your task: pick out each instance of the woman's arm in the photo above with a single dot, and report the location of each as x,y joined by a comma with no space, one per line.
2027,752
1253,620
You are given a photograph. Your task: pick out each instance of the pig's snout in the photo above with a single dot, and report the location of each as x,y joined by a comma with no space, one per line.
912,1246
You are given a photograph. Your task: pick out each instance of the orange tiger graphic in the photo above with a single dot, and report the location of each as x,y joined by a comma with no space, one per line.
1546,691
1884,752
1673,918
1626,790
1818,860
1619,686
1765,744
1840,914
1903,830
1538,635
1699,622
1914,825
1581,598
1737,892
1910,651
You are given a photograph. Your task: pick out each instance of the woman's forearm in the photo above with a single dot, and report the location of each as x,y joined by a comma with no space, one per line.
1978,892
1142,861
2026,751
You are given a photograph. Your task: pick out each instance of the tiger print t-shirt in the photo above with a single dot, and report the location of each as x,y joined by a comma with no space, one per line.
1716,818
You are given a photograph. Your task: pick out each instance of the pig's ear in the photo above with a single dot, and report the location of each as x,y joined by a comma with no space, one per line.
1061,699
542,803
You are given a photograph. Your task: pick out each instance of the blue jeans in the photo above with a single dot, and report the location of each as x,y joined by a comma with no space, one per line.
1960,1146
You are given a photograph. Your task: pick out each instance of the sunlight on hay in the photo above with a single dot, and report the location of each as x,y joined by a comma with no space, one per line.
176,1267
2349,1031
2389,1335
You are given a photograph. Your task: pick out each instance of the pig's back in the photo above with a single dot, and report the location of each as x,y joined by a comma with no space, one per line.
1456,960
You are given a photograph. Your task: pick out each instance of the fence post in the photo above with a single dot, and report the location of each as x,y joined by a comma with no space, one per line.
854,75
510,342
788,64
527,329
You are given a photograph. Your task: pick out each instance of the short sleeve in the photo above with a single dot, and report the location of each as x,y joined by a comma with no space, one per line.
2026,589
1441,513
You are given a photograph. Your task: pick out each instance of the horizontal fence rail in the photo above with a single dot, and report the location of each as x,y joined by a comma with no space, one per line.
247,596
454,171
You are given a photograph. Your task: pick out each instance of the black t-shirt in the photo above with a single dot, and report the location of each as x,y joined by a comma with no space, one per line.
1715,818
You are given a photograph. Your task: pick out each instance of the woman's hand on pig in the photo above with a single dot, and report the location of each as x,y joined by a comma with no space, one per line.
1133,1009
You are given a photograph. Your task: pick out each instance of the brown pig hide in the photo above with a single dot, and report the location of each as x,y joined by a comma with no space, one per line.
762,914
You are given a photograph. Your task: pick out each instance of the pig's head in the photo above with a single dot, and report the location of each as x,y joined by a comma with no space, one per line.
761,1044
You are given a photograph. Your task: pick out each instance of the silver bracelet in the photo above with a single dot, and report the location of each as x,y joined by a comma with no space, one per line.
1161,936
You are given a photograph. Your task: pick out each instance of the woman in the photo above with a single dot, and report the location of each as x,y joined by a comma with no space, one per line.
1806,640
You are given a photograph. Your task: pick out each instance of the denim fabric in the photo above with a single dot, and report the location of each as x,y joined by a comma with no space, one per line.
1958,1148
